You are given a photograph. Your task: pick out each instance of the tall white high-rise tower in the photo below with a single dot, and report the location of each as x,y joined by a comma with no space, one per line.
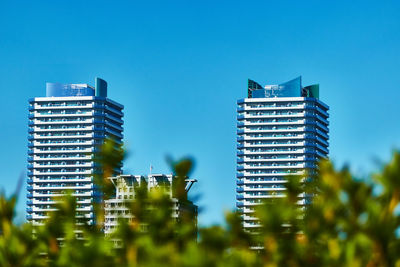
65,130
282,130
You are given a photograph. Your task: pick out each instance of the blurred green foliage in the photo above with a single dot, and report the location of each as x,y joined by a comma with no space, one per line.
350,222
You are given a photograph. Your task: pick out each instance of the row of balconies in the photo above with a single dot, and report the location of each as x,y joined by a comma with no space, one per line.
275,137
272,173
62,143
65,128
57,194
272,115
49,209
303,114
322,134
265,194
35,172
254,201
274,166
277,130
62,165
34,216
50,114
273,106
50,136
114,110
114,119
297,144
267,181
272,187
58,180
261,180
62,150
247,210
54,122
270,107
275,151
272,123
78,121
52,201
59,158
55,186
289,158
283,136
64,105
113,132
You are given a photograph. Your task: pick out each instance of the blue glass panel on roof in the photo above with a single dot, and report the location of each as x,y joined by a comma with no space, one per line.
259,93
101,87
289,89
62,90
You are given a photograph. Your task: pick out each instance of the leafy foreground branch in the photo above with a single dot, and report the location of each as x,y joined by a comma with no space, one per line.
349,223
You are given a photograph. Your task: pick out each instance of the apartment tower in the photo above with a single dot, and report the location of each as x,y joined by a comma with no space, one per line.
282,130
117,208
66,128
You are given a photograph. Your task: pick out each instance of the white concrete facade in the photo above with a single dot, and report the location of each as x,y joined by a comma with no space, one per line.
116,208
64,134
276,137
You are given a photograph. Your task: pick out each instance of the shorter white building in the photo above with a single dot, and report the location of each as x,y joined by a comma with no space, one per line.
116,208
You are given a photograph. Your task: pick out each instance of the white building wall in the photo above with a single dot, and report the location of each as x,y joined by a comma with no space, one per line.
116,208
276,137
64,133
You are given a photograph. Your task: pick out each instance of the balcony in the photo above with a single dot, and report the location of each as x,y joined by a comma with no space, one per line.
275,166
63,143
64,165
114,110
60,194
262,188
240,182
63,172
239,196
63,187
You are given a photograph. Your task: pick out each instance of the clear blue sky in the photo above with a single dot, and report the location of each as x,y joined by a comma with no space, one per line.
179,67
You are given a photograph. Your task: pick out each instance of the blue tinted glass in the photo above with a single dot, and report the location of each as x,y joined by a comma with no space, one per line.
289,89
260,93
59,90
